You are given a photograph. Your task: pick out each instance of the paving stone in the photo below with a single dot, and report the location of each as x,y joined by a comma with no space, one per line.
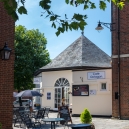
100,123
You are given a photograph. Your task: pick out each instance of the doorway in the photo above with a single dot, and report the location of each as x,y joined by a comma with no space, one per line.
61,91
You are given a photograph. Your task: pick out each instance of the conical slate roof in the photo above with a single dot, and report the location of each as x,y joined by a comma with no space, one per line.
81,53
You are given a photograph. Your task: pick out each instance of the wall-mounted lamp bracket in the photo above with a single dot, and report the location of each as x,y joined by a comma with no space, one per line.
108,25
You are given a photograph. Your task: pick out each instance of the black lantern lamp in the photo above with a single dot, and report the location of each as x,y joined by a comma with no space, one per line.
99,27
5,52
108,25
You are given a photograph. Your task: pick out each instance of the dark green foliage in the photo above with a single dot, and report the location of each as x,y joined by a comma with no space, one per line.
30,55
86,116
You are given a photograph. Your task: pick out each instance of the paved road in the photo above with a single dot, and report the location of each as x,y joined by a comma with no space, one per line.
100,123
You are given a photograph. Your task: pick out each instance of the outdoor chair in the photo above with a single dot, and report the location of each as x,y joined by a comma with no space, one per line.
47,109
29,123
39,115
21,108
66,119
17,118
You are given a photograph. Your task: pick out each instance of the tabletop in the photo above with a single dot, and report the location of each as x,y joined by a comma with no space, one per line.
53,119
80,125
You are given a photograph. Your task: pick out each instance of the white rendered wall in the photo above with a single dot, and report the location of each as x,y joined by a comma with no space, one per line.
98,104
48,81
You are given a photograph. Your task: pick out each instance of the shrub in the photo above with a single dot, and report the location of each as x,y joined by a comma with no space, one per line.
86,116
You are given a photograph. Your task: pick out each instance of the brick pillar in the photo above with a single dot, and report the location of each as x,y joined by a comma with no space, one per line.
124,62
7,27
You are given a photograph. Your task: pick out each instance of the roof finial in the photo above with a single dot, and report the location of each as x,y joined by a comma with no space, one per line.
82,32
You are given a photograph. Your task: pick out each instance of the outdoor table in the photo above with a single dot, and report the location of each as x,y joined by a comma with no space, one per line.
81,126
53,120
25,111
35,110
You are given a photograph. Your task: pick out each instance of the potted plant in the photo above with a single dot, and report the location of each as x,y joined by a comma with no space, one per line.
87,118
37,105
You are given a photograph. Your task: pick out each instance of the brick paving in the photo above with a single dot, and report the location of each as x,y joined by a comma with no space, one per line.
100,123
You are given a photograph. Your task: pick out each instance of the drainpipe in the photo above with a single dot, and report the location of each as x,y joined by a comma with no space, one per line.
119,107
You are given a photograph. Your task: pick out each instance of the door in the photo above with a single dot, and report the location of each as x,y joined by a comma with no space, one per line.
66,95
61,91
58,96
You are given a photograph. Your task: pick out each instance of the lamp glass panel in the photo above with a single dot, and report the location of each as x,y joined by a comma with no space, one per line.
7,54
99,28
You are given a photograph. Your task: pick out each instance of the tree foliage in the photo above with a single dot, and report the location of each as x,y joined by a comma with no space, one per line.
74,23
86,116
30,55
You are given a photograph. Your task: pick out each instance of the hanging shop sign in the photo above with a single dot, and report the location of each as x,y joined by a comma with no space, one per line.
80,90
95,75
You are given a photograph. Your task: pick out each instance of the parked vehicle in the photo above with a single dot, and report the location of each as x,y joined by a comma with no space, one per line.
25,102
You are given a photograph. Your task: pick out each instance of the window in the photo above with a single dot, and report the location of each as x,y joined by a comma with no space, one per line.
103,86
62,82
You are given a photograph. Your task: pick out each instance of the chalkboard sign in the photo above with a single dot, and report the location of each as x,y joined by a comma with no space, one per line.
80,90
65,113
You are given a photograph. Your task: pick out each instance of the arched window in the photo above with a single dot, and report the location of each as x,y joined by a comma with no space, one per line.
61,82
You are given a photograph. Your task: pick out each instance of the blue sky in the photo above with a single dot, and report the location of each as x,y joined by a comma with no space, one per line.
55,45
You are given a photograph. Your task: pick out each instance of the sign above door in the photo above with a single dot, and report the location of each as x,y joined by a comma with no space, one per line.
95,75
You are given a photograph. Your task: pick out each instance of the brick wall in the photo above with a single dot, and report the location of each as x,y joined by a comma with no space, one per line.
6,70
124,63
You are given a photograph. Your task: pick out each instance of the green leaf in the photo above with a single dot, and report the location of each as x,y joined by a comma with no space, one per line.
74,25
71,2
52,18
80,1
93,6
66,1
102,5
22,10
82,25
61,29
70,27
14,4
48,12
86,6
53,25
61,20
121,5
114,1
14,15
66,16
47,7
57,33
78,17
45,4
